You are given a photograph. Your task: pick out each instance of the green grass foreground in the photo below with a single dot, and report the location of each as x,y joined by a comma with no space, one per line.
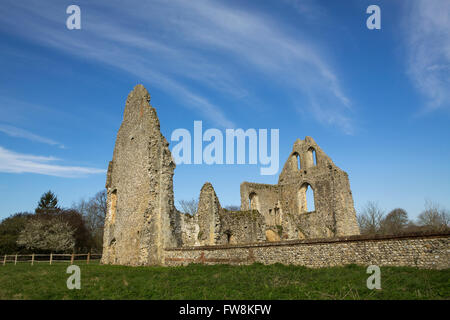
257,281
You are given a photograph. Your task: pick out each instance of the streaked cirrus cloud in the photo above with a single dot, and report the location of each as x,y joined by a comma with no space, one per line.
22,133
427,41
13,162
195,51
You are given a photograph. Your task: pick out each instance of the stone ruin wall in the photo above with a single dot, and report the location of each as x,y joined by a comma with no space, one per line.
264,198
142,219
141,212
214,225
284,205
421,251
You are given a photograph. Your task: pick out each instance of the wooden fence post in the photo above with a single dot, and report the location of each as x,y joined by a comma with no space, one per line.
33,258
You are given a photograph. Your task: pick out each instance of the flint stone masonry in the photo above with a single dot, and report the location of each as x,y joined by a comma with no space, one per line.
427,252
241,227
189,230
221,226
142,223
208,213
141,218
284,205
141,213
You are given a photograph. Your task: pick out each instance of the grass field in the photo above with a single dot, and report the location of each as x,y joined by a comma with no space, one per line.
256,281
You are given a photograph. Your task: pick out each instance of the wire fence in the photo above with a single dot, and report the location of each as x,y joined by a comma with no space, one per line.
50,258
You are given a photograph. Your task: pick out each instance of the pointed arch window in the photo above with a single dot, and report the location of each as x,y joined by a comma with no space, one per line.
306,202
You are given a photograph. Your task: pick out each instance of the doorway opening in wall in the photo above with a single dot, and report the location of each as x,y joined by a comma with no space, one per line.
229,237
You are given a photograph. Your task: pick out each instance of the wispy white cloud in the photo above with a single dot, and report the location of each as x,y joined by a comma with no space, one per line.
188,48
21,133
427,35
12,162
307,8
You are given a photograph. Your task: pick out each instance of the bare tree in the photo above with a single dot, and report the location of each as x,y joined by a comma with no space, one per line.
189,206
434,217
370,218
395,222
94,213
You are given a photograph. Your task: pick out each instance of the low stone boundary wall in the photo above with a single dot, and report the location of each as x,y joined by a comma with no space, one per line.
422,251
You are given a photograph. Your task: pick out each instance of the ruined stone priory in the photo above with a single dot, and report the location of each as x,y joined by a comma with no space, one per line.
142,221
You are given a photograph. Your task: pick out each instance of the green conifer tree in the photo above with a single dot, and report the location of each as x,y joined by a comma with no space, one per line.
48,203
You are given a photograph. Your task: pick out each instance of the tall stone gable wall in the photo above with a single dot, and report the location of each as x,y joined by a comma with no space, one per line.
284,206
141,212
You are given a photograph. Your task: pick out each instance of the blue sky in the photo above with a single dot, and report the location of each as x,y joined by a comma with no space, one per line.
376,101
